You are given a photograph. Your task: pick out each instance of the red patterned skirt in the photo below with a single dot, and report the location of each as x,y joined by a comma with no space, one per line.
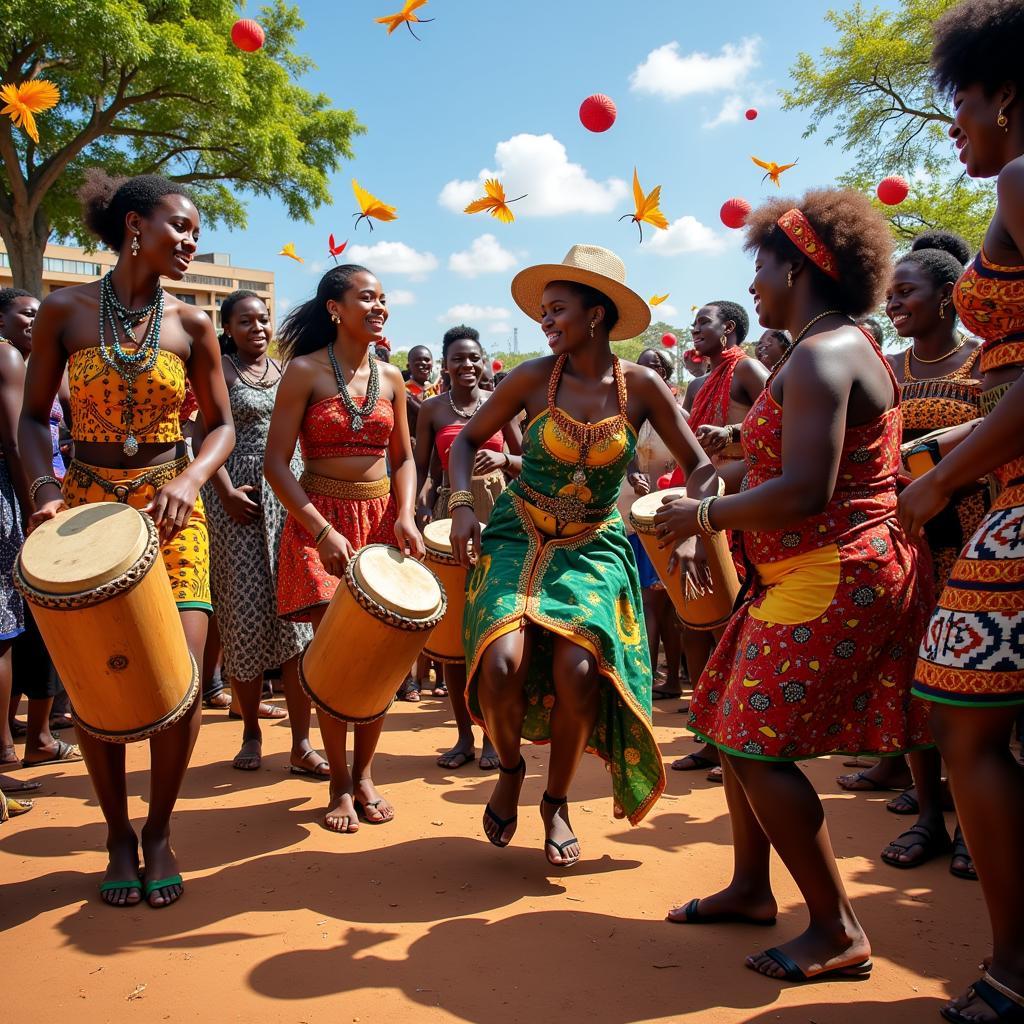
302,581
820,659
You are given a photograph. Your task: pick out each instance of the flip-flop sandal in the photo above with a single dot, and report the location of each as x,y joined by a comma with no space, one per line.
440,690
373,804
489,762
65,752
559,848
163,883
409,692
960,852
922,838
870,786
905,803
266,712
694,916
852,972
1007,1004
314,772
715,775
698,763
501,824
131,883
13,786
211,706
466,759
11,808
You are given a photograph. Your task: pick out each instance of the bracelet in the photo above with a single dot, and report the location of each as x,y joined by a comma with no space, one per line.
458,499
39,483
736,433
323,534
704,516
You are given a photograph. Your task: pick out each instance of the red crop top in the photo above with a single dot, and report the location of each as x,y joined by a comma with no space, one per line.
446,438
327,433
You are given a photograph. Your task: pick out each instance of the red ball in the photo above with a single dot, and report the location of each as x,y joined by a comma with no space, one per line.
597,113
734,212
247,35
751,114
893,190
669,340
497,365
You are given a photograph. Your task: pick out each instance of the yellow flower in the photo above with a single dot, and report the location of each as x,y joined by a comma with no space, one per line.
631,755
22,101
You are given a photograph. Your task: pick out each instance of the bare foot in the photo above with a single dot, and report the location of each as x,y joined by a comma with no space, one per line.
250,756
341,814
161,864
123,866
561,847
815,951
731,903
375,809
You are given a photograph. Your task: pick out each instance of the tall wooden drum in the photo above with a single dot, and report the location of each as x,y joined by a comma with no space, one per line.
380,617
445,643
96,586
695,611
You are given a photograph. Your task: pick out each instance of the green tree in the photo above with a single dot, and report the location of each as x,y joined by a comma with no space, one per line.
156,86
872,93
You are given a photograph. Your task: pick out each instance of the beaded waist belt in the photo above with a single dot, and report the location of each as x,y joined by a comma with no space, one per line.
565,508
351,490
84,475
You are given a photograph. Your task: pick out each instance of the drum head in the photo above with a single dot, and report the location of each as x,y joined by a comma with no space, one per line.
644,509
83,548
401,584
438,536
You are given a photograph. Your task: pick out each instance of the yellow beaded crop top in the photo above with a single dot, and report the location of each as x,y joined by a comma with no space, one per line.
98,396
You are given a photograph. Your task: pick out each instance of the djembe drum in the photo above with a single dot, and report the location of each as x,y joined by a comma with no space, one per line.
445,643
96,585
696,611
380,617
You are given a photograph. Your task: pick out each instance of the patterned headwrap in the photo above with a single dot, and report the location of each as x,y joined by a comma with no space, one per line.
801,233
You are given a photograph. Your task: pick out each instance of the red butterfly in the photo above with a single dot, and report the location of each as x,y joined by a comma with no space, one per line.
336,250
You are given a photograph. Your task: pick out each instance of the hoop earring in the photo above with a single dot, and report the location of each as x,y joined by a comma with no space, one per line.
335,319
724,340
135,245
1003,121
789,279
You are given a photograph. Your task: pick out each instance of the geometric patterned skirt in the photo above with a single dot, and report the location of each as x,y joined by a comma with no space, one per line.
973,651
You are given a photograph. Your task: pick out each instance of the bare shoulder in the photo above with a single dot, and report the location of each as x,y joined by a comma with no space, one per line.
393,375
1010,182
192,318
62,302
640,378
11,363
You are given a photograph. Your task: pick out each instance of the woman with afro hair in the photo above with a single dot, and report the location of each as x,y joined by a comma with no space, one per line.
971,667
817,660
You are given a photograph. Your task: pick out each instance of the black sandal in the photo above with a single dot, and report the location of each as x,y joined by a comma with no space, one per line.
409,691
559,847
931,845
1007,1004
961,852
503,823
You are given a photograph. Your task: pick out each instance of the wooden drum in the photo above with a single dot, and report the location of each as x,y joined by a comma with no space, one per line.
96,585
695,611
373,630
445,643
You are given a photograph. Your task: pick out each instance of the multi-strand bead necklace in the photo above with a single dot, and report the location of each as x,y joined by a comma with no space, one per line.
372,390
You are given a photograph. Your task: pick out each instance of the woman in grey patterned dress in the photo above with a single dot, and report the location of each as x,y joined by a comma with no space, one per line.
245,521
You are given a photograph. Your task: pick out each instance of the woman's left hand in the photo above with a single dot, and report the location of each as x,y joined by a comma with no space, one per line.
675,521
172,506
714,439
921,501
487,461
690,559
410,540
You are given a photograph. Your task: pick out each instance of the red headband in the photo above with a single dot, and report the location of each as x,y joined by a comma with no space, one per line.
801,233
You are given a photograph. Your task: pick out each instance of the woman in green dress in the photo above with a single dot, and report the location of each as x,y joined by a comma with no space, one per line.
556,647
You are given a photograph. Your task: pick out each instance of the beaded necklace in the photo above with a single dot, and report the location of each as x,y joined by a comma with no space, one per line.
372,390
459,412
129,365
586,435
256,383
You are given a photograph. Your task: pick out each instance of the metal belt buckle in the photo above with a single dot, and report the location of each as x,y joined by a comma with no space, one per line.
121,493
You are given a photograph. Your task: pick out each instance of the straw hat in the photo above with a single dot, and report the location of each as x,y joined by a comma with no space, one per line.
591,265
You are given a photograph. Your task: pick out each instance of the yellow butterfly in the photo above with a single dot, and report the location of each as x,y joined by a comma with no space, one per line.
370,206
774,170
657,300
405,17
25,100
288,249
647,211
494,201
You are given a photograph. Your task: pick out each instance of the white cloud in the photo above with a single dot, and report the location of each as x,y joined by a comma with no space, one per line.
539,166
501,328
732,110
484,256
401,297
667,73
663,310
686,235
393,258
464,313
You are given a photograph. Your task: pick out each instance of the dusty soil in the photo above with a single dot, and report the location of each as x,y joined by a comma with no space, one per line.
423,920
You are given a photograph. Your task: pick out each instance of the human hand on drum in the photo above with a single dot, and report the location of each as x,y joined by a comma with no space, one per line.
714,439
335,552
921,501
676,520
239,506
410,540
487,461
45,511
172,505
690,559
465,536
640,482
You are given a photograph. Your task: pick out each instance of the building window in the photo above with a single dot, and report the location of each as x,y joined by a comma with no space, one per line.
254,286
188,299
222,282
59,266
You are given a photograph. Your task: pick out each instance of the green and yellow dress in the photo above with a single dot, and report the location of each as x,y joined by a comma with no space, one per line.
555,555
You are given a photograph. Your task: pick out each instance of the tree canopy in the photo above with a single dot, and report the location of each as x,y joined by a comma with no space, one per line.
156,86
872,93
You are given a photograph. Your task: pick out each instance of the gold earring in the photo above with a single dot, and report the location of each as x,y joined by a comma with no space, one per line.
135,245
789,279
1003,121
335,319
593,324
942,309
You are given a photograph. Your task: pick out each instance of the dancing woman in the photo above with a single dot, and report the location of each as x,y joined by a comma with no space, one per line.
971,668
128,347
555,638
347,411
819,660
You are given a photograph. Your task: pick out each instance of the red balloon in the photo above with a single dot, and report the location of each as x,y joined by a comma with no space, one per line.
247,35
734,212
893,190
751,114
669,340
597,112
497,365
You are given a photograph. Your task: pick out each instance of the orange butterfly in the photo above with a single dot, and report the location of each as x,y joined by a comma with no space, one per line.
647,208
370,206
657,300
288,249
774,170
495,202
336,250
405,17
25,100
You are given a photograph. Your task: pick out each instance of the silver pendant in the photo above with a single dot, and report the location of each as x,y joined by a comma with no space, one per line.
131,446
579,477
357,422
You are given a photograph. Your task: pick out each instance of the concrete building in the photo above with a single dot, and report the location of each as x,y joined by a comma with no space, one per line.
209,280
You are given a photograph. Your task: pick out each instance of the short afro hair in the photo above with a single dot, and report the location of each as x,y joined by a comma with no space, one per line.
940,255
956,246
735,312
979,42
107,201
460,333
856,233
8,296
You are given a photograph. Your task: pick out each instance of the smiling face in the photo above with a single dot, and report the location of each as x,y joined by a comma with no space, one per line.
710,331
250,328
565,320
650,359
421,364
769,288
769,349
465,363
912,300
168,237
362,309
979,140
16,322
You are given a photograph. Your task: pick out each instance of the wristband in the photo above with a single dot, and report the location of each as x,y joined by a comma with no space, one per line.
39,483
704,516
321,536
458,499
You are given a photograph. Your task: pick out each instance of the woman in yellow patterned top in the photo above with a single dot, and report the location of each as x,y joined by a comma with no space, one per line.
128,348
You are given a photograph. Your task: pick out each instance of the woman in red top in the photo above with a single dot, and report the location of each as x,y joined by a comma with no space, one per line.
819,659
440,421
347,410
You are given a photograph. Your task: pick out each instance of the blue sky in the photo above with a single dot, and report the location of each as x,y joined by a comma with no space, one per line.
497,87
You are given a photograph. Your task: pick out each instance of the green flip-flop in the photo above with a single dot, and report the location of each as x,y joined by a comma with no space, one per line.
163,883
133,883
